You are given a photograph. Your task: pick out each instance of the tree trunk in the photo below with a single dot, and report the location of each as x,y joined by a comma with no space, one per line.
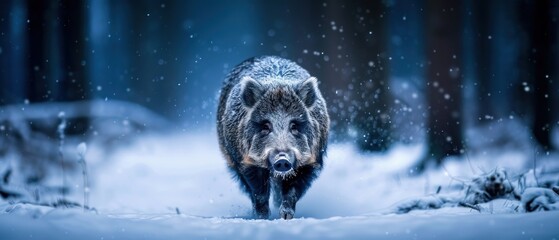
444,80
357,52
544,36
483,60
75,84
37,55
13,19
371,78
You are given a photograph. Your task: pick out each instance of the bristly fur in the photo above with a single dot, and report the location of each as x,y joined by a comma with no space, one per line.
277,91
285,175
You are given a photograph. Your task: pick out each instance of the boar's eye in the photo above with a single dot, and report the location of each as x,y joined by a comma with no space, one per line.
294,128
265,127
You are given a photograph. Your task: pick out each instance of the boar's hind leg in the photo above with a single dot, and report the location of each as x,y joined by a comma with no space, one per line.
258,179
293,189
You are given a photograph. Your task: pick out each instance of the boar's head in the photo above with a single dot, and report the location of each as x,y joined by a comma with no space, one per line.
279,131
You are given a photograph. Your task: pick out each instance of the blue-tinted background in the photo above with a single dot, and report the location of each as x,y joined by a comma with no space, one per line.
171,56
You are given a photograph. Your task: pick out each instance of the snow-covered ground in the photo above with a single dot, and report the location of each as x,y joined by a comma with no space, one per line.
177,186
65,224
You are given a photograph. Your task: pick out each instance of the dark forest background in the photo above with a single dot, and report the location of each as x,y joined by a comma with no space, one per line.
392,71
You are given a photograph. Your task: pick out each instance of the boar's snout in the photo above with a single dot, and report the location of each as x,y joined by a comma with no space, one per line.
282,161
282,165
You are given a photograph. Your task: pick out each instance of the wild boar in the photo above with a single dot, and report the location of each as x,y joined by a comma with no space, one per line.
272,125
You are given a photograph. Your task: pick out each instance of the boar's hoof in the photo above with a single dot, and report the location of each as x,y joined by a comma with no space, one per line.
286,213
263,213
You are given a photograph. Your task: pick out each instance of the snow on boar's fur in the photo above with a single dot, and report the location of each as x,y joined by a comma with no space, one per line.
272,125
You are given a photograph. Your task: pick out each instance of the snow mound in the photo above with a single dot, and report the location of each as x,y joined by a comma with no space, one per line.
540,199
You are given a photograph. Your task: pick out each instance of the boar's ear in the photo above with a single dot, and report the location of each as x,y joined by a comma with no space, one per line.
251,91
307,91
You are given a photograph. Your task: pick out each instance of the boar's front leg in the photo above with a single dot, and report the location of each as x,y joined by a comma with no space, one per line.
292,190
288,202
258,180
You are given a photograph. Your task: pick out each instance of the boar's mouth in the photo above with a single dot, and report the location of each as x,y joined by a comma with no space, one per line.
283,174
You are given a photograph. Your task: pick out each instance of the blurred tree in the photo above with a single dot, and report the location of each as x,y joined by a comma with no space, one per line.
55,51
496,42
357,52
444,80
37,51
74,78
74,84
332,60
109,38
5,8
537,65
370,79
12,46
483,56
154,68
543,39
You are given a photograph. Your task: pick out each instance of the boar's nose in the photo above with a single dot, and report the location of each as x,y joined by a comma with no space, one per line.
281,160
282,165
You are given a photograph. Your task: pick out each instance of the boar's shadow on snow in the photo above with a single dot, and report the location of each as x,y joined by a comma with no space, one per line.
272,126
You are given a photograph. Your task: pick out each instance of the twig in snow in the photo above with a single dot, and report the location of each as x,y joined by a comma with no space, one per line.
60,130
482,189
474,207
535,176
82,148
